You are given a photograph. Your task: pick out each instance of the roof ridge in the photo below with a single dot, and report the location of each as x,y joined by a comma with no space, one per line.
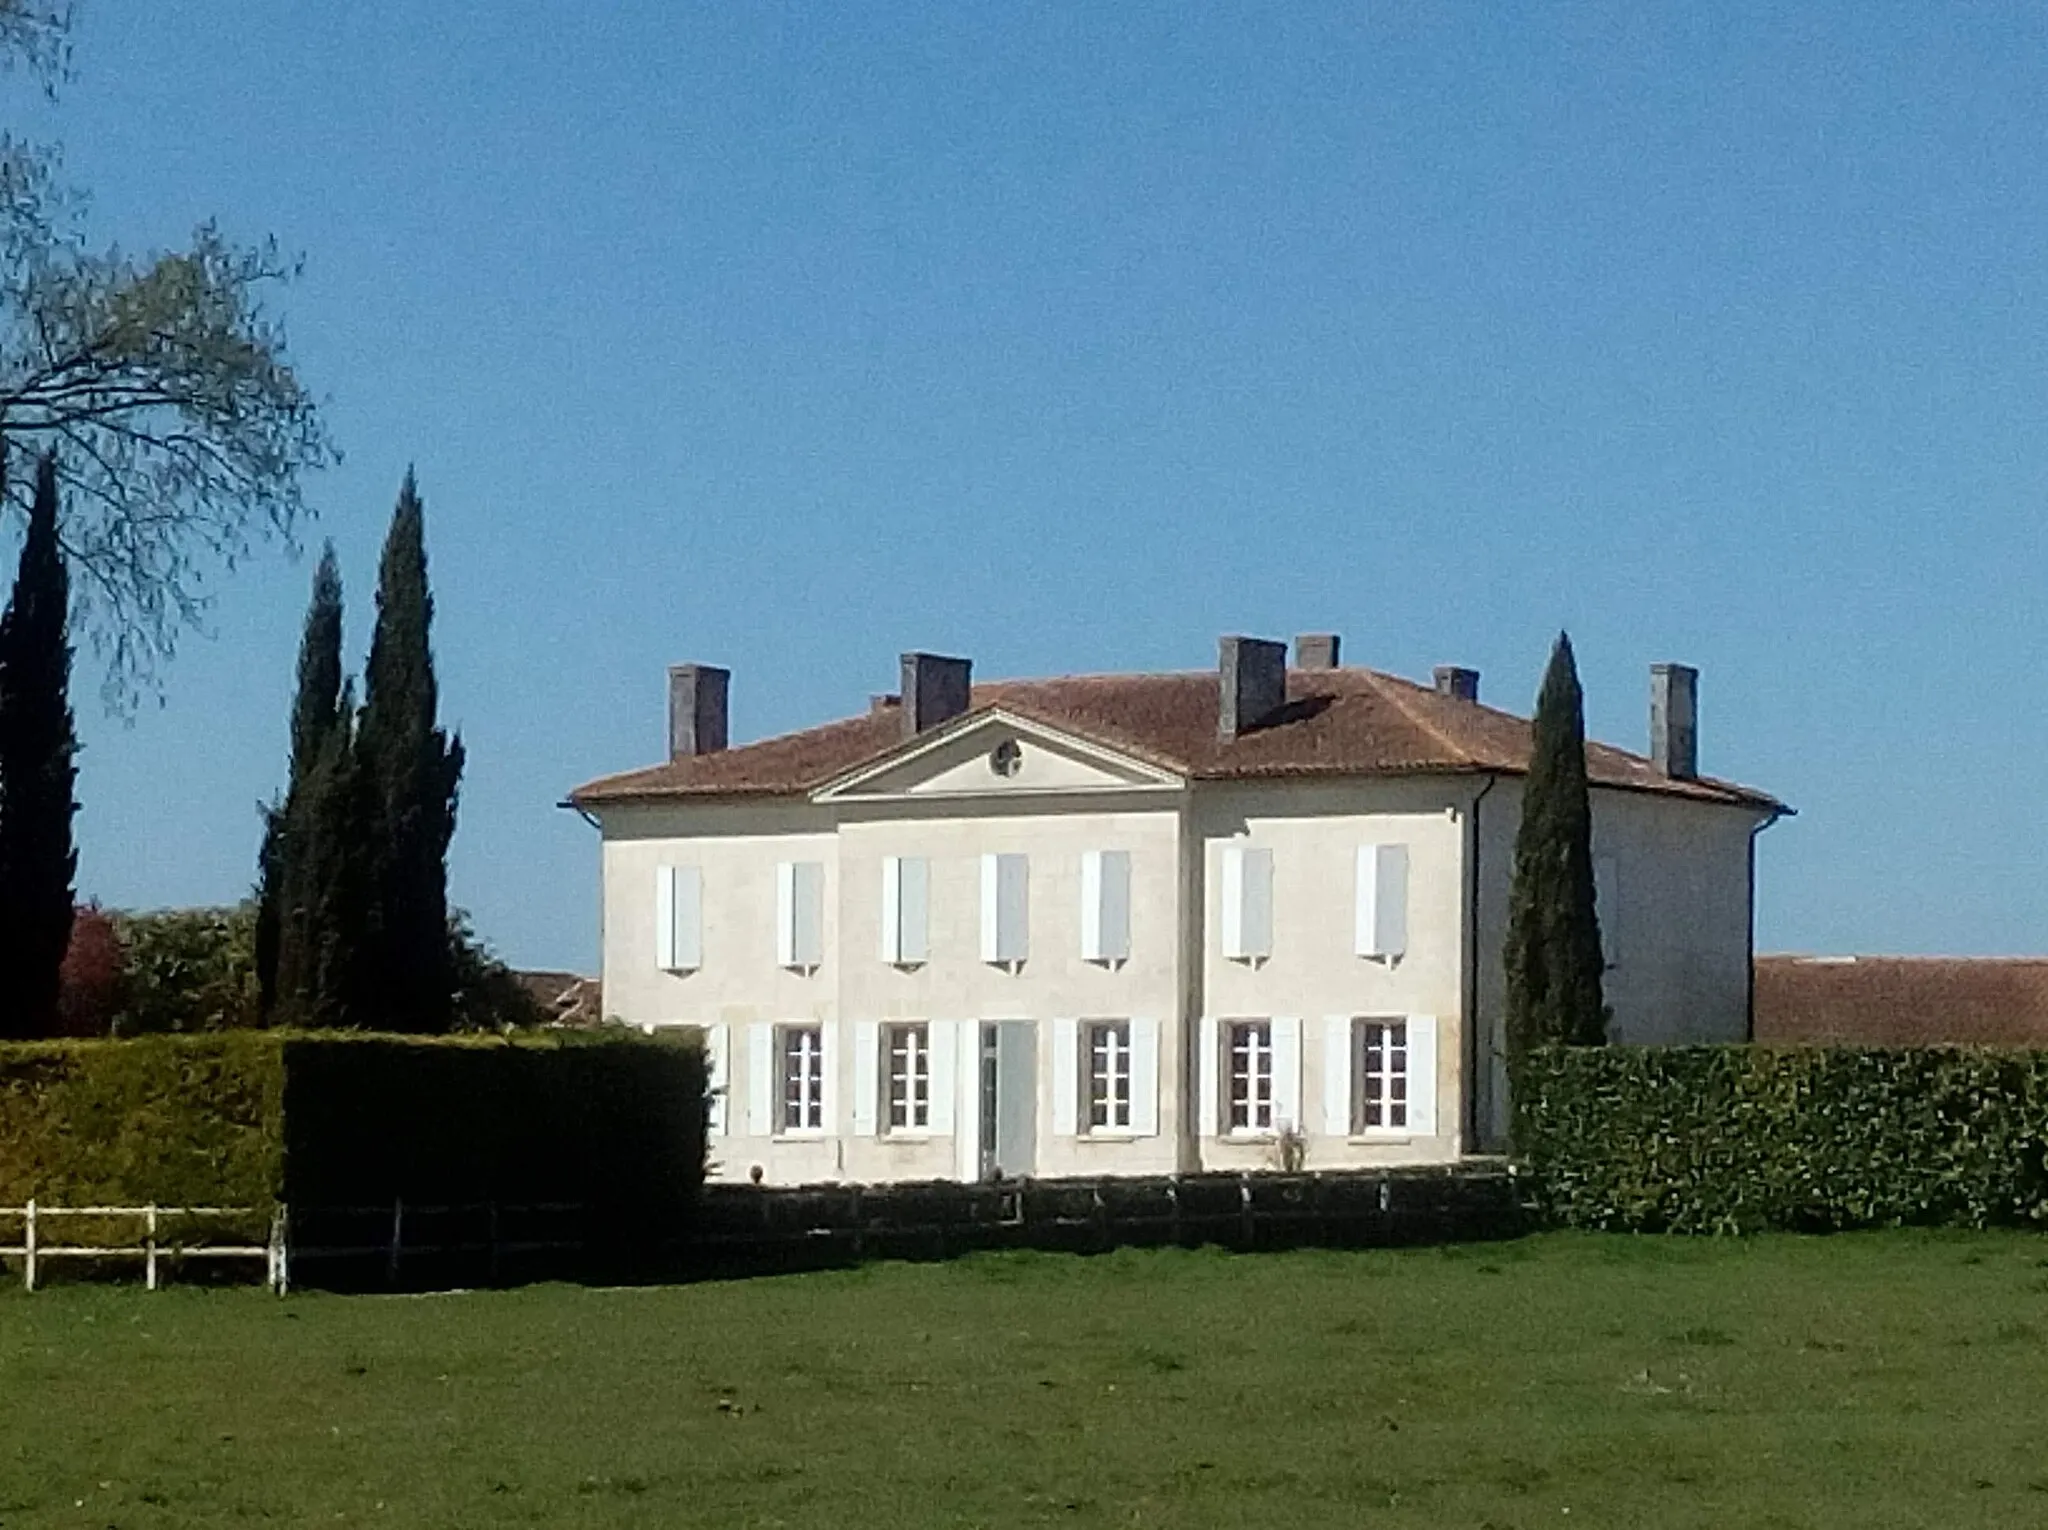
1426,724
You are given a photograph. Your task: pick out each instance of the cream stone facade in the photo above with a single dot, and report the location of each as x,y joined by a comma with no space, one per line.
1011,939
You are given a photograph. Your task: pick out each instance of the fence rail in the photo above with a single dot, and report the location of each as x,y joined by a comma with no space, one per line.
154,1232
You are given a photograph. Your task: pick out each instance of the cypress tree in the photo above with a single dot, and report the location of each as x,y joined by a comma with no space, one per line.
38,774
1554,961
317,710
325,882
413,769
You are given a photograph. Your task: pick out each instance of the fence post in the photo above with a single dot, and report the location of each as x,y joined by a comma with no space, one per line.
1173,1199
28,1264
281,1245
494,1242
397,1238
1249,1221
149,1248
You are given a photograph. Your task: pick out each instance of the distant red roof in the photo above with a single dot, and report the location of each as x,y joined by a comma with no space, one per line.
1337,722
1902,1000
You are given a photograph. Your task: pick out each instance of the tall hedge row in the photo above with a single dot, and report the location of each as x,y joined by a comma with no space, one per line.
1739,1139
248,1118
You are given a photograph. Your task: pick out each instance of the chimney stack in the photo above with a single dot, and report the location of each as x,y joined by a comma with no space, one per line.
1316,650
1675,720
696,709
935,690
1458,684
1253,672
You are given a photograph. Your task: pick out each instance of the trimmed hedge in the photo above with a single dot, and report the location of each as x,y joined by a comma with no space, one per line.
250,1118
1744,1138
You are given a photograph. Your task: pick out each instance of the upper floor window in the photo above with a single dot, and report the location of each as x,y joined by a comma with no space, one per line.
800,915
1247,903
910,1077
1249,1057
1005,910
803,1078
1109,1075
678,918
1106,906
906,910
1382,904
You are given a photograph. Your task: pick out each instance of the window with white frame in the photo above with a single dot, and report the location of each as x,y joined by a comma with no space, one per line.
803,1078
1248,1048
910,1077
1379,1091
1109,1075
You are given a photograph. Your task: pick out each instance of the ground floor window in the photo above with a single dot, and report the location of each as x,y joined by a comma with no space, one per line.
803,1078
909,1051
1379,1096
1109,1075
1250,1051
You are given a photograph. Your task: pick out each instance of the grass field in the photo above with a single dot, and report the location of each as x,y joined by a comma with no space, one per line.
1867,1380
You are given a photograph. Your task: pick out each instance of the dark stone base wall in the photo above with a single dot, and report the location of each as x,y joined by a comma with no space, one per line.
745,1229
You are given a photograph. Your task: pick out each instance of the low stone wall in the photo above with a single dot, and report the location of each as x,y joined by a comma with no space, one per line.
744,1229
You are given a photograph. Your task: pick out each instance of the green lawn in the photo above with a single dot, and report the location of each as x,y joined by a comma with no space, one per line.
1867,1380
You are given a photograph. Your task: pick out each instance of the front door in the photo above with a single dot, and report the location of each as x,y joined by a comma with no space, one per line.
1009,1099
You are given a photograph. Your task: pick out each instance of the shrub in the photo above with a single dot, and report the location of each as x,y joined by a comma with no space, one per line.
89,982
1737,1138
252,1117
186,970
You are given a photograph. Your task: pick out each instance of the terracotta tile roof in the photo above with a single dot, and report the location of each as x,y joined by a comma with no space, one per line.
1902,1000
1337,722
568,997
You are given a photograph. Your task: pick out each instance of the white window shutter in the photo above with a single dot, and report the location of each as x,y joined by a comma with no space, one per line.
967,1104
1115,918
717,1046
1144,1076
678,918
1091,906
1066,1077
1422,1075
945,1039
785,913
1013,904
892,909
807,914
665,918
1382,928
1607,907
1337,1075
1286,1071
867,1052
1208,1081
914,910
1233,901
991,901
763,1079
1390,933
1247,902
828,1081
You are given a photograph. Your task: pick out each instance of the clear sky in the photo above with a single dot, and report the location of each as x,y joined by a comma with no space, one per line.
790,336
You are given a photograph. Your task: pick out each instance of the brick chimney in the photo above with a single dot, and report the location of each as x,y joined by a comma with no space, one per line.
1253,672
1316,650
1459,684
696,709
1675,720
935,690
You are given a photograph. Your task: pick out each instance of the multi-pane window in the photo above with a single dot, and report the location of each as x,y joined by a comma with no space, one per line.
1109,1076
803,1078
1379,1096
910,1077
1250,1055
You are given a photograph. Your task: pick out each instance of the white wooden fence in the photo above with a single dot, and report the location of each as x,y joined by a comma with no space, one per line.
154,1231
150,1234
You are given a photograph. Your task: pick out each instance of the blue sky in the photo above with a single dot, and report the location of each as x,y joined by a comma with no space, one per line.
791,336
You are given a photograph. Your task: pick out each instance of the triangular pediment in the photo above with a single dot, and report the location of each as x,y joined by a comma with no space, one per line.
997,754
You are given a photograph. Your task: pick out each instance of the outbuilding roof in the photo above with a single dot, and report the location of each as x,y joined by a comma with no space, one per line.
1337,722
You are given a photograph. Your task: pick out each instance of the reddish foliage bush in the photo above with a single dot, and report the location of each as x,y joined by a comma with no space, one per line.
89,983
